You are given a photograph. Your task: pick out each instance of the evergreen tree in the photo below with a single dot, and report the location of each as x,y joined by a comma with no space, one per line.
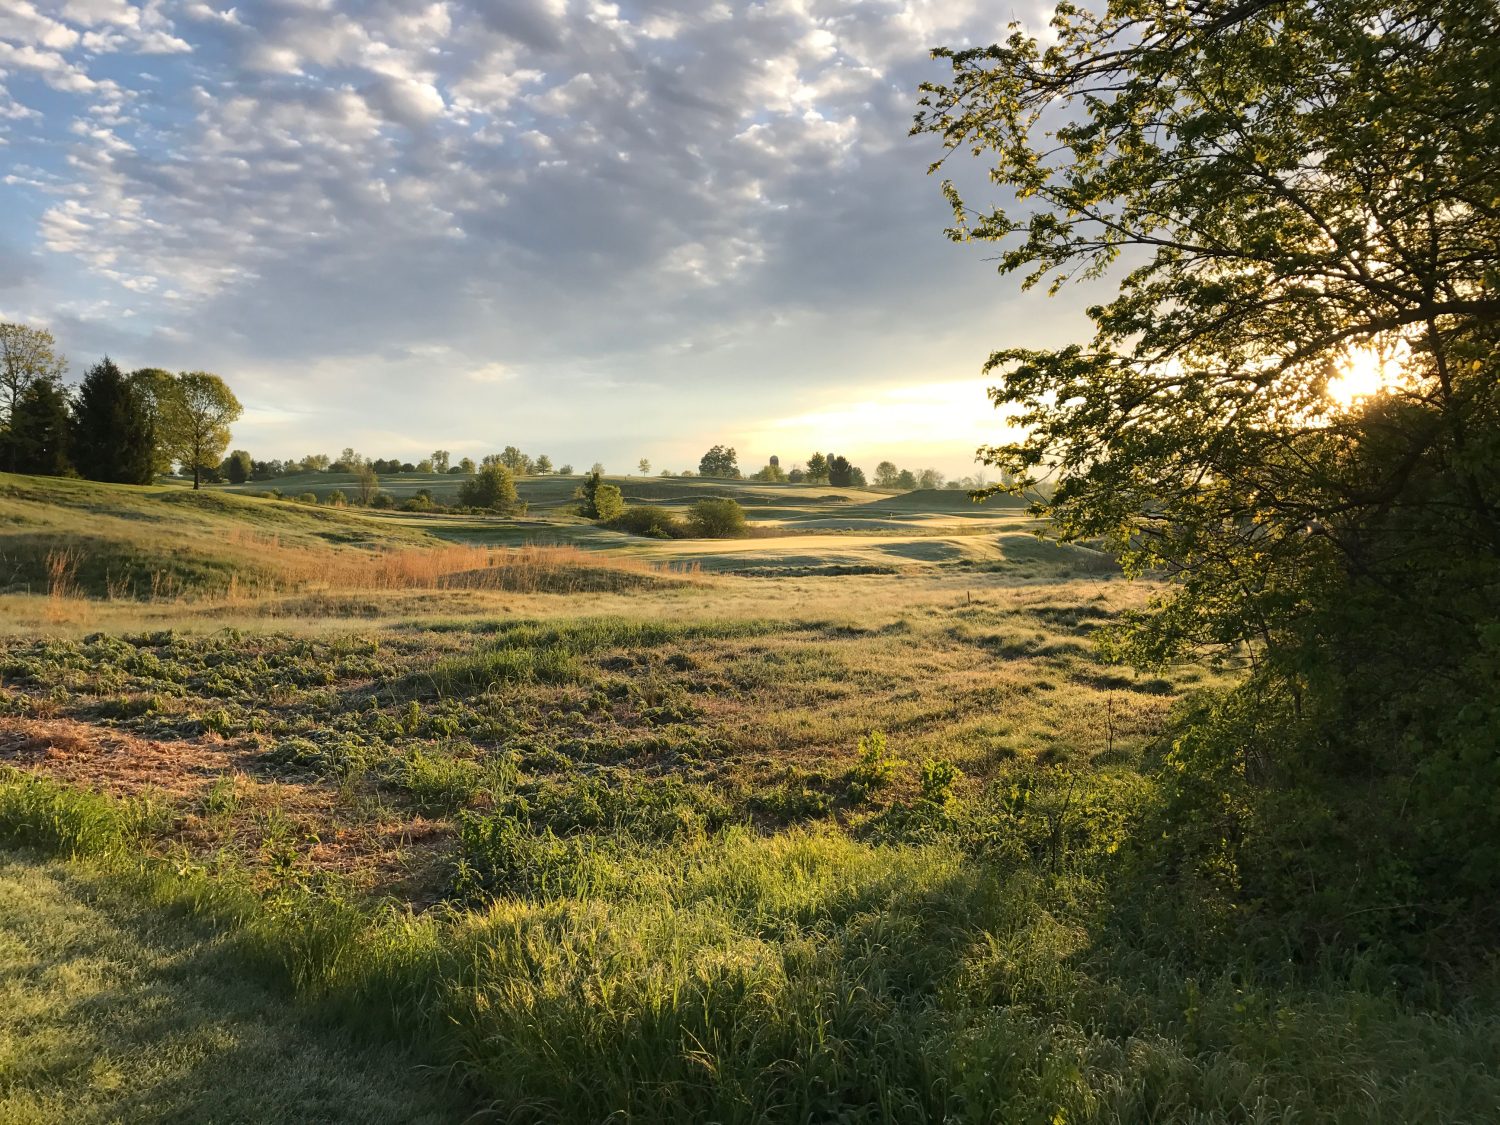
38,438
112,434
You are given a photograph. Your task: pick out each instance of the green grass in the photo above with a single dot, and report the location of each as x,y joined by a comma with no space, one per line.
736,977
112,1009
634,852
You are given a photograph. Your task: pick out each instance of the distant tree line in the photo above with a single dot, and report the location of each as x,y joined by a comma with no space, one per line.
125,429
240,467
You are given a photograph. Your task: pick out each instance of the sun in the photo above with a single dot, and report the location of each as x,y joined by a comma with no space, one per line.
1364,371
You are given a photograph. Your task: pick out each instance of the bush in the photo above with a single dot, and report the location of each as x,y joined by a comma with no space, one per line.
308,498
600,501
717,519
875,769
337,499
382,500
492,487
654,523
609,503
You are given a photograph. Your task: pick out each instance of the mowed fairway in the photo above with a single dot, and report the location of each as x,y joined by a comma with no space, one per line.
833,821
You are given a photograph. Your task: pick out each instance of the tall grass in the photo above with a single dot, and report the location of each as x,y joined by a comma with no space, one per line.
807,976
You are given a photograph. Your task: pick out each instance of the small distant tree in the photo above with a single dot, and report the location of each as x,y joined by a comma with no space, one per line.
720,461
666,473
337,499
717,519
38,436
930,478
856,477
598,468
316,462
886,474
112,437
424,466
439,461
817,469
797,475
492,487
543,466
840,472
906,479
644,467
238,467
773,473
466,466
599,501
517,462
566,471
368,484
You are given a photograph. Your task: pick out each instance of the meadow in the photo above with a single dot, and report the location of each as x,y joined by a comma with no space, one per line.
473,818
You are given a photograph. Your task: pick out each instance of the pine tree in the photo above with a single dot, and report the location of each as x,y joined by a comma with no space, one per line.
112,434
38,439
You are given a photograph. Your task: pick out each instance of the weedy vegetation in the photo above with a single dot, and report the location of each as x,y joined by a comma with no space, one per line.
678,845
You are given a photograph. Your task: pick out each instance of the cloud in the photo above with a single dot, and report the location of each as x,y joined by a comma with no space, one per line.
710,207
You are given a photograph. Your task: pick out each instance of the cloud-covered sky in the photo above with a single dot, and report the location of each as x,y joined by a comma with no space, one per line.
600,231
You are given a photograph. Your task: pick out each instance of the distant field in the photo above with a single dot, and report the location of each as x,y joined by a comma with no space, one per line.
836,821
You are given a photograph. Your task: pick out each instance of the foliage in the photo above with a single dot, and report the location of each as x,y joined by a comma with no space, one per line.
717,519
112,437
653,523
39,435
600,501
771,473
841,474
192,419
1290,191
817,469
492,487
27,356
875,767
237,467
719,461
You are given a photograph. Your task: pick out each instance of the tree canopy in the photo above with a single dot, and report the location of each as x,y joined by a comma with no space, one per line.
1283,194
719,461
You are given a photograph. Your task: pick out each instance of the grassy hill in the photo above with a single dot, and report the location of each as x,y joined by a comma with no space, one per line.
131,541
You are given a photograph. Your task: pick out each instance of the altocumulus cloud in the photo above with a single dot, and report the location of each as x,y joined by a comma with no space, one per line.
599,229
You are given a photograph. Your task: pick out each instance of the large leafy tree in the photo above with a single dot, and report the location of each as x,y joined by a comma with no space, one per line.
720,461
27,355
195,415
113,438
1280,191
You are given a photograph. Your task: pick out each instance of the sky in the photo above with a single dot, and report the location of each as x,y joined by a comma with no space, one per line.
597,231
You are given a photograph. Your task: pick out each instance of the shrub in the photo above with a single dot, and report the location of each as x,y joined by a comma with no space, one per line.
600,501
337,499
609,504
875,769
717,519
654,523
938,778
308,498
492,487
382,500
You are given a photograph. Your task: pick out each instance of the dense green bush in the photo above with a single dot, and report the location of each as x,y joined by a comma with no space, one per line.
654,523
493,488
717,519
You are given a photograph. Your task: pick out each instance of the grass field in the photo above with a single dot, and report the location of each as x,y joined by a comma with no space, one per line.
839,821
